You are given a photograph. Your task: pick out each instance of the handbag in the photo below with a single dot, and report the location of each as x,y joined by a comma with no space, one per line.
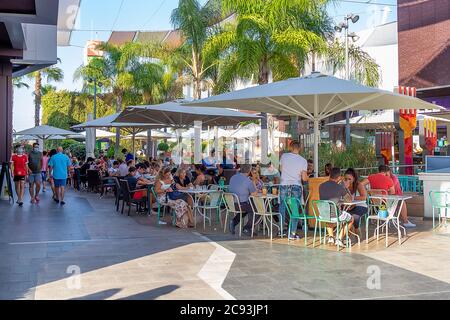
175,194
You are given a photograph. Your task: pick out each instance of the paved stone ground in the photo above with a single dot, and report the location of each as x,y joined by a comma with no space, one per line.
123,257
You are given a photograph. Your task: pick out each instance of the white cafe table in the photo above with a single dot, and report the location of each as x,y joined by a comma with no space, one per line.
196,194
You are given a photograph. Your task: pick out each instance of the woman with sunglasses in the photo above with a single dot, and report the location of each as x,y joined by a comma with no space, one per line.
358,192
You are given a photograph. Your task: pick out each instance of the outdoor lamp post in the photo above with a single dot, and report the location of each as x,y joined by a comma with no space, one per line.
344,26
94,80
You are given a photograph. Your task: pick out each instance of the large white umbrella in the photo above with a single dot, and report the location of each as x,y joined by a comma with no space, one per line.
253,130
382,120
314,97
44,132
176,115
156,134
132,128
99,133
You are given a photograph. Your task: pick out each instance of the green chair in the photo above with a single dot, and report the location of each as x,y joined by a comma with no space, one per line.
212,202
232,207
163,207
297,211
322,210
440,200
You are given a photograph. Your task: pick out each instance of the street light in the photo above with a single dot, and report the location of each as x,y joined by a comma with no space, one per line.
344,26
90,80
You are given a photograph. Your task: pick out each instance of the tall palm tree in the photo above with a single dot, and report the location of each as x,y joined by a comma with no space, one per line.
267,36
19,83
52,73
194,22
121,71
362,67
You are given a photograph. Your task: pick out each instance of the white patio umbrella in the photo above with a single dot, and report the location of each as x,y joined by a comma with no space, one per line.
44,132
156,134
314,97
382,120
132,128
178,116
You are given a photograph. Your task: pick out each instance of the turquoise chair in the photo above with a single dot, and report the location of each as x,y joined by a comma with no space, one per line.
163,207
297,211
322,213
212,202
440,201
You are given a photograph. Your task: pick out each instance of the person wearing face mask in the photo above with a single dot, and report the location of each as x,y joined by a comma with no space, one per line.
35,175
60,165
19,171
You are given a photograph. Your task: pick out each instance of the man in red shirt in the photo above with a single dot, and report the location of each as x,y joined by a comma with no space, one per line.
19,171
382,180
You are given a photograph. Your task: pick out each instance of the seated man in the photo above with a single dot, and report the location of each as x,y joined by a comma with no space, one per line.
114,170
334,191
243,187
140,168
383,181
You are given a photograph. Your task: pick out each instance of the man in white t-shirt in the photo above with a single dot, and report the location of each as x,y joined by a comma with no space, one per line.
293,168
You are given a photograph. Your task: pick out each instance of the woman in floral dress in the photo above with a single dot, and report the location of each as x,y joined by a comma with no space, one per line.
163,186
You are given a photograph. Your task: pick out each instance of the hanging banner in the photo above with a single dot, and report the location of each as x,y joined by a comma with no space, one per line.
430,133
408,122
386,146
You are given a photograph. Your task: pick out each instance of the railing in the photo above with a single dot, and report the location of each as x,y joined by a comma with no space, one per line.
395,169
408,183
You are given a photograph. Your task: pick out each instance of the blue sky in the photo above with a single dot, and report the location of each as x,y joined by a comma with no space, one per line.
97,18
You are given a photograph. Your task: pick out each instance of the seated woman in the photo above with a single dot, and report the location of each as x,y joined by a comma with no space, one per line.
200,177
358,192
256,180
163,187
182,182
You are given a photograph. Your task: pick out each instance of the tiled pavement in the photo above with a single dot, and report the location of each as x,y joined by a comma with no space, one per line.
123,257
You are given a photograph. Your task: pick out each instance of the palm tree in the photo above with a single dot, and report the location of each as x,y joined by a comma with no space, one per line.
19,83
122,71
268,36
362,67
52,73
194,22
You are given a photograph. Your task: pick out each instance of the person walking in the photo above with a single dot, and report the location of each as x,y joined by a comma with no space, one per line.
59,164
35,172
44,169
294,170
19,171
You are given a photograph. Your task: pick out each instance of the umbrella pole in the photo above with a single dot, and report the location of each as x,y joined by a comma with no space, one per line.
316,148
132,142
149,144
216,143
393,149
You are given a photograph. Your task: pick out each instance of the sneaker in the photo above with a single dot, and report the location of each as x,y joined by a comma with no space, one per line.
248,232
331,240
409,224
232,227
339,242
294,236
20,204
62,203
56,200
